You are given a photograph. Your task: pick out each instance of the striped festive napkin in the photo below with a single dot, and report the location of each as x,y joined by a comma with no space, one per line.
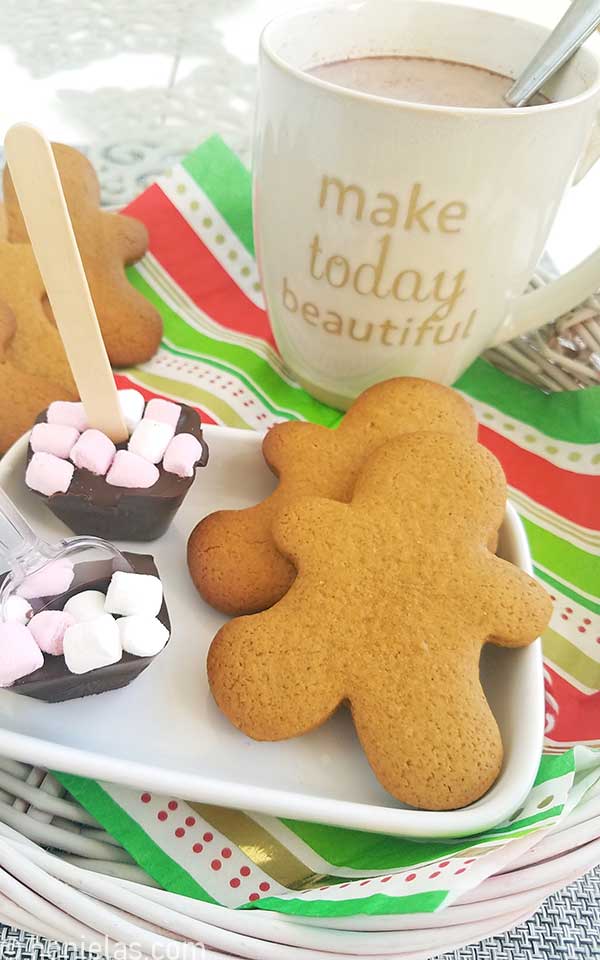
218,354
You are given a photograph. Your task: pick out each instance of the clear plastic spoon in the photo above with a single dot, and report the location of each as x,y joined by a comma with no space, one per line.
578,23
27,561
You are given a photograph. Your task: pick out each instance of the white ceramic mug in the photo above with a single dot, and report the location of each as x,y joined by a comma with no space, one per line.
397,238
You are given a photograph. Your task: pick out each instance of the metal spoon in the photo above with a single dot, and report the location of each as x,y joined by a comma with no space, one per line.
578,23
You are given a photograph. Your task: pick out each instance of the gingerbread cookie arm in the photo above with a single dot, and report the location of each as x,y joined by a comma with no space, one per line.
130,236
234,562
517,608
232,557
293,447
272,674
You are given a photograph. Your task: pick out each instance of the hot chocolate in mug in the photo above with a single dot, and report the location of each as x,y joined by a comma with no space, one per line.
397,238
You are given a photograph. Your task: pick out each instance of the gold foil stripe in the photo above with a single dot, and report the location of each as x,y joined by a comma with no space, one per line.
261,847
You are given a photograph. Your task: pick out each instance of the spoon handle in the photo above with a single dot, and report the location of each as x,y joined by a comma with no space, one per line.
16,536
579,21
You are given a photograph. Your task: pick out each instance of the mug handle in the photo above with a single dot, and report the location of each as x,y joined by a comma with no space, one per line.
541,306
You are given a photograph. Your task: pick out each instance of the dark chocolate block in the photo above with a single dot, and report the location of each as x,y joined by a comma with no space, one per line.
54,682
94,508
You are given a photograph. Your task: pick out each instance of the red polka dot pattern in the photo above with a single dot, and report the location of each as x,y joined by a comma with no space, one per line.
234,882
584,622
226,853
162,814
444,863
215,864
173,804
254,896
410,876
207,837
190,821
264,886
180,832
436,873
385,879
460,870
145,798
197,848
245,871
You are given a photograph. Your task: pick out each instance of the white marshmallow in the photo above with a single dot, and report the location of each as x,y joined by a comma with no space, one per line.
142,636
87,605
92,644
134,593
132,407
16,610
150,439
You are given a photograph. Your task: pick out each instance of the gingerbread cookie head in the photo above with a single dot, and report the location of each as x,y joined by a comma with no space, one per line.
395,595
232,557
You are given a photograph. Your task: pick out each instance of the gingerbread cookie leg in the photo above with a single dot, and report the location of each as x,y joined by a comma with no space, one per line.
433,745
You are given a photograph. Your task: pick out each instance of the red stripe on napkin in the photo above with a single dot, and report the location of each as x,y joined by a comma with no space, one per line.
578,715
191,264
571,495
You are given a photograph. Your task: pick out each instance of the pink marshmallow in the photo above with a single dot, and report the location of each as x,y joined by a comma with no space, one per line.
48,630
19,653
129,470
182,455
53,438
48,474
68,414
163,411
93,451
53,578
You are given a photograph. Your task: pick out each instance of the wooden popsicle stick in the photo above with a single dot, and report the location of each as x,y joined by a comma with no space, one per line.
42,201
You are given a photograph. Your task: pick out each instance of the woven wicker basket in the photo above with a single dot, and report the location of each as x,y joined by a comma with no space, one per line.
88,892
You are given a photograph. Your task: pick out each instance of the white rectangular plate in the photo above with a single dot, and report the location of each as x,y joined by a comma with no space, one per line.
164,732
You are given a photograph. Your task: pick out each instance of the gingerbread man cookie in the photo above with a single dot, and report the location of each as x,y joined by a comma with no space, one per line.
395,595
232,558
131,326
